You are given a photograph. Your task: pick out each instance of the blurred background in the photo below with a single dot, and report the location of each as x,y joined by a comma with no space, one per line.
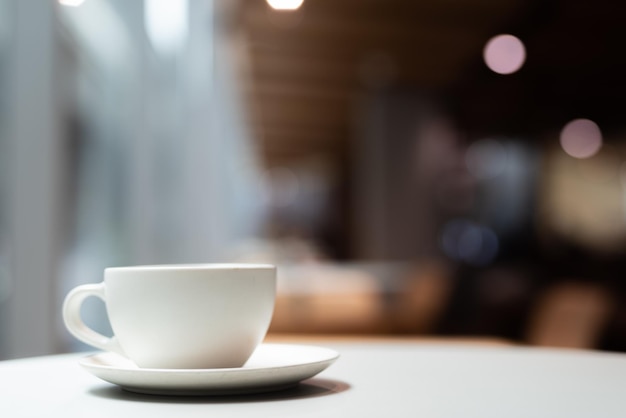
414,167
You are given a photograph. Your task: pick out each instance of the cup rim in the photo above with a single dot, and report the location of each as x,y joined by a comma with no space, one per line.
194,267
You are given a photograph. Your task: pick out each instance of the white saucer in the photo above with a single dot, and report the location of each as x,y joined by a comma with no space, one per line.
271,367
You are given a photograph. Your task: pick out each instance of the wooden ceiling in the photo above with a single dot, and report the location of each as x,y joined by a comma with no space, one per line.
309,67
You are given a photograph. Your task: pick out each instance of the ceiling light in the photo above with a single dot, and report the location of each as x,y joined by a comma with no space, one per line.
285,4
71,3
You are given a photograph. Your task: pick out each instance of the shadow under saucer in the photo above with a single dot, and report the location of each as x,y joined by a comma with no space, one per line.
310,388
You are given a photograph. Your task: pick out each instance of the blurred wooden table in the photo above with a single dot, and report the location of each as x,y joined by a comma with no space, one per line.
383,339
360,298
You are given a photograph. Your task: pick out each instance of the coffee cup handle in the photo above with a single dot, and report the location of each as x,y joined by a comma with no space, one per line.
74,322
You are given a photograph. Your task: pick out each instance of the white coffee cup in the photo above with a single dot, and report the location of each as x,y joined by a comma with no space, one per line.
180,316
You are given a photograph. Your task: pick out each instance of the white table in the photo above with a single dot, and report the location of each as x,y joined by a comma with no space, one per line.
375,379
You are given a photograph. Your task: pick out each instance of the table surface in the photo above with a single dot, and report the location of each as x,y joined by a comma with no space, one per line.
371,379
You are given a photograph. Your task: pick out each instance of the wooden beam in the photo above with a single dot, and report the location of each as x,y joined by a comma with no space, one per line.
288,89
423,67
287,154
365,31
286,133
301,111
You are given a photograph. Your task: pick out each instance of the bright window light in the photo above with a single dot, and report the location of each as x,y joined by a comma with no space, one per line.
166,24
285,4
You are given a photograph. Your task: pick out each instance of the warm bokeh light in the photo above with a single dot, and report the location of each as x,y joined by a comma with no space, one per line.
622,177
504,54
71,3
581,138
285,4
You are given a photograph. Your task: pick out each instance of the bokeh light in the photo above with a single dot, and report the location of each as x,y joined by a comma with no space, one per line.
504,54
486,158
285,4
581,138
466,241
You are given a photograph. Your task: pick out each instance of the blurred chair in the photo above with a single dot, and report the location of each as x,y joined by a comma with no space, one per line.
570,314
